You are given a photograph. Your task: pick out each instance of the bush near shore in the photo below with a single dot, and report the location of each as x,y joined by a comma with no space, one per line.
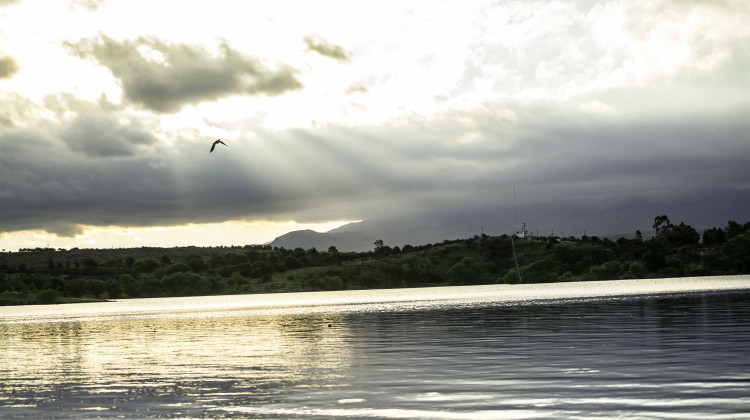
45,275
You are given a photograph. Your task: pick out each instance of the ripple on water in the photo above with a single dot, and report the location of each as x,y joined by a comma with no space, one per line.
483,352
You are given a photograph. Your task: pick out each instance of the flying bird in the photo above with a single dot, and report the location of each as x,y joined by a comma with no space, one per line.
214,145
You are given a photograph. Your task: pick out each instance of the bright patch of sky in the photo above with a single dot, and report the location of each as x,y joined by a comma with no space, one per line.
209,234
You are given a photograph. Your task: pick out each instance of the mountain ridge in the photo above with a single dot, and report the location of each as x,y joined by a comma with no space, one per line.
561,218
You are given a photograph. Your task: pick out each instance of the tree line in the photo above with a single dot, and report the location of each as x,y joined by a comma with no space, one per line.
44,275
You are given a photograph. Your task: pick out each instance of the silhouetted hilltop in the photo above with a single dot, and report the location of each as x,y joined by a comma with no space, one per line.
355,241
560,218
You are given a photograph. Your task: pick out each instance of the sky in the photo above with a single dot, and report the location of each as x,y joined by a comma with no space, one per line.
338,111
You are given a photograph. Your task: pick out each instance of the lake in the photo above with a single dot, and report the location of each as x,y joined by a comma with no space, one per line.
666,348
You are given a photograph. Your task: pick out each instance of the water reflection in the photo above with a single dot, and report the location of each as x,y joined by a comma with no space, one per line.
678,356
56,365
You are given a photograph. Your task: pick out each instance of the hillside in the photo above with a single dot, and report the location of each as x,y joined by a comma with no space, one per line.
46,275
600,217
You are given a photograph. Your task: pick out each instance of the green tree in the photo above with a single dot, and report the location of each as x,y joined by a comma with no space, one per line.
74,287
654,258
126,279
292,262
713,237
736,253
301,256
252,255
13,284
173,284
146,265
236,259
367,279
417,269
261,269
511,277
662,224
681,234
89,265
578,259
734,229
93,287
177,268
674,267
132,288
610,270
196,262
540,271
113,288
635,270
467,271
197,285
217,261
48,296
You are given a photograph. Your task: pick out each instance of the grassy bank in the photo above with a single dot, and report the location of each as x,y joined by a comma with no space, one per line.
15,298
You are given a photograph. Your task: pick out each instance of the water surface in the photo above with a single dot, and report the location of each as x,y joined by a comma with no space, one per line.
672,348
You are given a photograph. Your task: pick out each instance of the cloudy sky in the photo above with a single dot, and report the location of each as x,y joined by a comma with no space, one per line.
341,111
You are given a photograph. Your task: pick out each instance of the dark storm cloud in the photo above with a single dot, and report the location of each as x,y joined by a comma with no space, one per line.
95,164
100,129
8,67
646,158
367,172
326,48
165,77
46,186
323,174
100,167
96,136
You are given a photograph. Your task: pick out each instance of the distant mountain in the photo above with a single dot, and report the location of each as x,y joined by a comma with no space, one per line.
343,241
562,218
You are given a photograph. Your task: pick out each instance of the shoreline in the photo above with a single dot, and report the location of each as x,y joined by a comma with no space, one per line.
377,299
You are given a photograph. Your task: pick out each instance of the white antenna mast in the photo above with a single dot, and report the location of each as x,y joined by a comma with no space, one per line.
515,210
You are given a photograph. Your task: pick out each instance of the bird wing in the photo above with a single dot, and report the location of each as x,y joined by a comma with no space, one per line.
214,145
